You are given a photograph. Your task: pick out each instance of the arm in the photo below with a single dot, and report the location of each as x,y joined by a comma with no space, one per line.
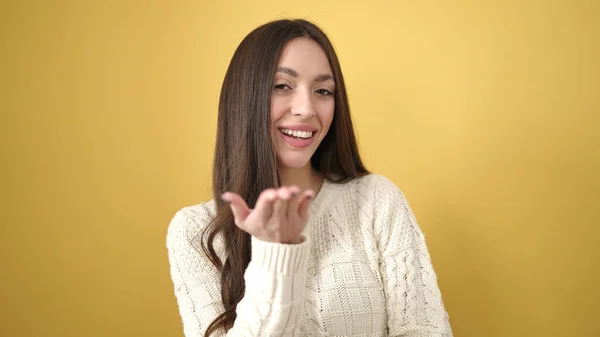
275,281
413,299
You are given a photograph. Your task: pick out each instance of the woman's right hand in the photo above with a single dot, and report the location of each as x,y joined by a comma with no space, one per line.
278,216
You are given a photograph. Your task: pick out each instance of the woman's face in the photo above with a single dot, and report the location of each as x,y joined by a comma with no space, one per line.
302,102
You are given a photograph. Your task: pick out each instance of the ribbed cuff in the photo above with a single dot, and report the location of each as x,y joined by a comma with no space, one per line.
280,258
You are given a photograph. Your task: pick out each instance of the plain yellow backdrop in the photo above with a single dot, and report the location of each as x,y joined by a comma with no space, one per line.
485,113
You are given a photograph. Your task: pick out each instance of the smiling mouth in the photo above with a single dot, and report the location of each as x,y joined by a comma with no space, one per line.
298,134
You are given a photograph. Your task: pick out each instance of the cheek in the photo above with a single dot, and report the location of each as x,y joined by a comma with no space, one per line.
276,113
326,114
277,108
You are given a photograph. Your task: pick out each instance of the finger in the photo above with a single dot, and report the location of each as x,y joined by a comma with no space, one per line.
284,193
292,208
304,204
264,205
239,208
280,204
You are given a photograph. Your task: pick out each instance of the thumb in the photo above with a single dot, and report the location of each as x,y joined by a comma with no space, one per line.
239,208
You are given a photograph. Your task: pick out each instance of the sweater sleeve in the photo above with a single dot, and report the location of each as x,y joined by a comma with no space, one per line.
413,299
275,281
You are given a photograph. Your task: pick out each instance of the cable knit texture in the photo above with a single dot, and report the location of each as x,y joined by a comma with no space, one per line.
363,269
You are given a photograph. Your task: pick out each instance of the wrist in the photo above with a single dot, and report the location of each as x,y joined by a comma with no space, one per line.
279,257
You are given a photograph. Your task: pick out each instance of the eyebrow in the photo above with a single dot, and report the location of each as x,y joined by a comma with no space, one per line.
293,73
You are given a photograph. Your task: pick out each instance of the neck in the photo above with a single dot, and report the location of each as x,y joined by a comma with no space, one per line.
304,177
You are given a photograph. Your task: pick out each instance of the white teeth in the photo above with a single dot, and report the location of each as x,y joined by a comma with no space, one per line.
297,134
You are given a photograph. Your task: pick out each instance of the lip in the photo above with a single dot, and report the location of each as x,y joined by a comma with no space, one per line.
299,127
295,142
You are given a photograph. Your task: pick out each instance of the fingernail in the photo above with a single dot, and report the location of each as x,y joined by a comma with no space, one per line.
225,200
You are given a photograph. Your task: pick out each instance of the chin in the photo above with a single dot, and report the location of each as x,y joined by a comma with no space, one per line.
294,161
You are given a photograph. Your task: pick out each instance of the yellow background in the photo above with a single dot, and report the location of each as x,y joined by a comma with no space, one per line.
486,114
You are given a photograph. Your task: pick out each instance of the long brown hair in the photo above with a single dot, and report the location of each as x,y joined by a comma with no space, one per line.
245,162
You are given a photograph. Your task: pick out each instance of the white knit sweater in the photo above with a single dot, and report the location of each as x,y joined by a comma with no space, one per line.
363,270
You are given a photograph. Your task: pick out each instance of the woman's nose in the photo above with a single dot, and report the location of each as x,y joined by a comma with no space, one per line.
302,104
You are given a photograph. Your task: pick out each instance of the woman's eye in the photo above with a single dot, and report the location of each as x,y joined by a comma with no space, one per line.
281,86
323,92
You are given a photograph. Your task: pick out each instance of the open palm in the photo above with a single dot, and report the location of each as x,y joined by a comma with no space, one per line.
278,216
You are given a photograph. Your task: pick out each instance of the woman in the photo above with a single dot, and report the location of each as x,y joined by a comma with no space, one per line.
299,239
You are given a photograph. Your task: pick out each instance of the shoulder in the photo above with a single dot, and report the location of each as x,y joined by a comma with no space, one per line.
189,222
383,198
377,180
376,187
374,194
394,222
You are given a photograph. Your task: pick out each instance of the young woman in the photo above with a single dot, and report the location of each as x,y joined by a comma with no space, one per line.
299,239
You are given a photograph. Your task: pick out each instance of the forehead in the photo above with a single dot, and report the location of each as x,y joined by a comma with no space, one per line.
305,56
